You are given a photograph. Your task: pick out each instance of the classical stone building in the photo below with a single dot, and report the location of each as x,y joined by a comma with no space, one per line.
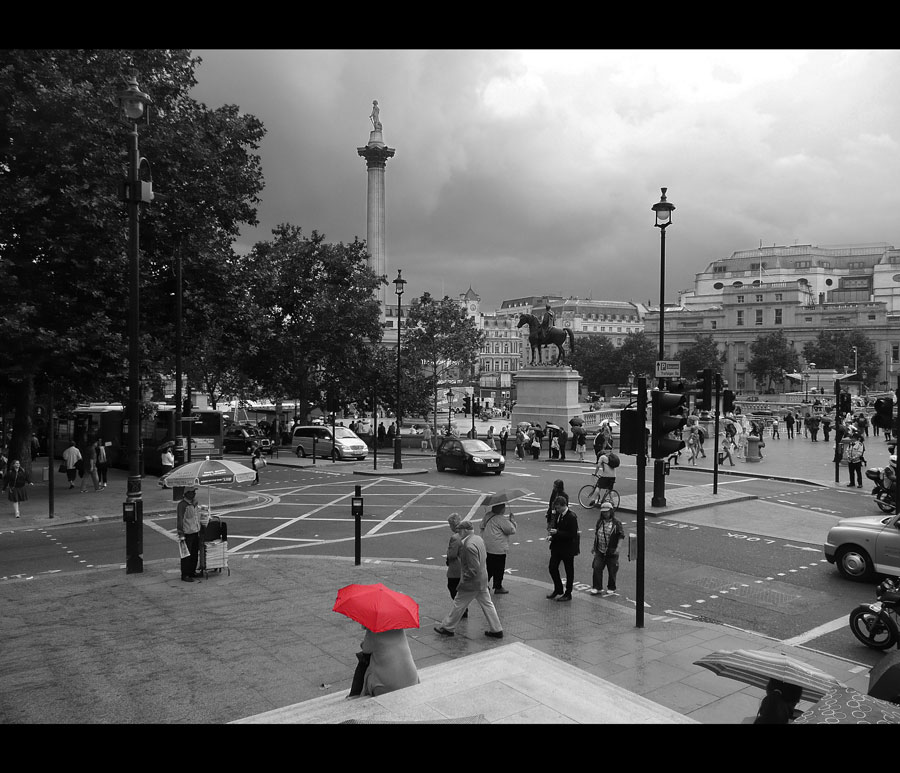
799,290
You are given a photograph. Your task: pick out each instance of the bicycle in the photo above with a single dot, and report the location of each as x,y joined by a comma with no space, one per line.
589,496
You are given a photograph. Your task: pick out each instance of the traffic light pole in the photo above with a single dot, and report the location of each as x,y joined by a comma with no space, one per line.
716,441
641,492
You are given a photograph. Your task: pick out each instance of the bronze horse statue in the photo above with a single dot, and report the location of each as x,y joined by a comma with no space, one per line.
538,338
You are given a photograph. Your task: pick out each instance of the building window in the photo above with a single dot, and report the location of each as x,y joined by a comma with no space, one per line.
778,319
895,353
720,269
759,316
778,297
871,317
807,319
740,299
759,299
740,318
713,324
856,264
802,263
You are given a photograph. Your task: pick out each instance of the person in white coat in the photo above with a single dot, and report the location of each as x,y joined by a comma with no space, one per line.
497,526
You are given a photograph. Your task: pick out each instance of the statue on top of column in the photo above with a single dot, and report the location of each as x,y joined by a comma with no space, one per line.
374,117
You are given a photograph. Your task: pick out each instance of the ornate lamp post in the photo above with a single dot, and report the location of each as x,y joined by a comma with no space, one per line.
663,210
398,288
134,104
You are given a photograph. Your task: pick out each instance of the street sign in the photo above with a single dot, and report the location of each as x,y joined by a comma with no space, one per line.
668,368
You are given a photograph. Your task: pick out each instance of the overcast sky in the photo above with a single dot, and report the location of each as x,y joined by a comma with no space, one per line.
534,171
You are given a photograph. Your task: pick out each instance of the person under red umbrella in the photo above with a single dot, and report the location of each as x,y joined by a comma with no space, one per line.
385,661
390,663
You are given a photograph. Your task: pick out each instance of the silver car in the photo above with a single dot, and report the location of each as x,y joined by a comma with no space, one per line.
345,444
866,546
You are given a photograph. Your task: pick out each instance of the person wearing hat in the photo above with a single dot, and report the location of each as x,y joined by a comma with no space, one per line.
187,524
608,533
472,586
497,526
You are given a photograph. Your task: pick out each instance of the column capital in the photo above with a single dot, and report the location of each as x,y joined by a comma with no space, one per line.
376,157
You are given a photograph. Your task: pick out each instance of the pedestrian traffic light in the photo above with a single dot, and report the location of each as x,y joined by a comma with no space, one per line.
884,413
633,433
667,417
728,401
704,387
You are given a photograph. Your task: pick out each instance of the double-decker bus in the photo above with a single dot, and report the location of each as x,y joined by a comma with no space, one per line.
203,432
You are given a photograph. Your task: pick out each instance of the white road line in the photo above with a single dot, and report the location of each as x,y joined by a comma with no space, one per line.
815,633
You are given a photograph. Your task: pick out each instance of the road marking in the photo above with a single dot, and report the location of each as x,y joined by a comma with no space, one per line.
815,633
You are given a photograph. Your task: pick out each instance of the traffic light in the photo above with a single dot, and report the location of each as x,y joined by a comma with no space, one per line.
845,405
467,405
704,385
633,432
728,401
667,416
884,413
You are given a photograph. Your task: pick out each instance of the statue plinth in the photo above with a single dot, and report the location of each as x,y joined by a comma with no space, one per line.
375,139
547,394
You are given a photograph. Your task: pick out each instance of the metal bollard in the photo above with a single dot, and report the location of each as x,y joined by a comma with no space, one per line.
356,510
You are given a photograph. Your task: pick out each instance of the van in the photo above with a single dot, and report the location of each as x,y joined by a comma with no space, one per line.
344,444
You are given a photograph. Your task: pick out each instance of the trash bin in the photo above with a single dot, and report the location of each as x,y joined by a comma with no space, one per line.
45,474
753,454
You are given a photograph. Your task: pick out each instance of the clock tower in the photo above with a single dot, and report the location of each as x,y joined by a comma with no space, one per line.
471,303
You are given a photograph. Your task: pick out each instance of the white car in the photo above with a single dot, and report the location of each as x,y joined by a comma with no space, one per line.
865,546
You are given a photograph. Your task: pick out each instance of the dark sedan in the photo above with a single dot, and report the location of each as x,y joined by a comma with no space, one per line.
468,456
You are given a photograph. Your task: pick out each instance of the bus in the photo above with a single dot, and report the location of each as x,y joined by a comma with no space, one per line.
203,432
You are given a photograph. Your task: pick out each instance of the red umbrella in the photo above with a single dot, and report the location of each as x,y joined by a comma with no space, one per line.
377,607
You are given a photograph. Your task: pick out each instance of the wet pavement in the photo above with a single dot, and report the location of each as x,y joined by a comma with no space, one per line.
260,642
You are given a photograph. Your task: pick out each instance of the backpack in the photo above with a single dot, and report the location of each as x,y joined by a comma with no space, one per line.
612,460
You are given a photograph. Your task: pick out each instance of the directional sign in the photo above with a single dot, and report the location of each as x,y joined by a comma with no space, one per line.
668,368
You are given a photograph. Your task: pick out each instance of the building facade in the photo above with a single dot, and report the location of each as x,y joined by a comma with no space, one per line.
799,290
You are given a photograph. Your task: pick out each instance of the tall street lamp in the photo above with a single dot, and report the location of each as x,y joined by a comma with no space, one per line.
663,210
135,106
398,288
811,366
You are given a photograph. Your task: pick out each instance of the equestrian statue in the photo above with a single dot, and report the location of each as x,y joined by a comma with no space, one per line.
545,334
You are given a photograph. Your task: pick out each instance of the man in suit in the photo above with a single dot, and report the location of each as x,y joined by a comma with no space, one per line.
563,547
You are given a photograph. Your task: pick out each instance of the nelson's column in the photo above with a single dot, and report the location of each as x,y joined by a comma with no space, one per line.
376,154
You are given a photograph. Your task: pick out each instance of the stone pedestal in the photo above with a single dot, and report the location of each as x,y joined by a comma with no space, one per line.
547,394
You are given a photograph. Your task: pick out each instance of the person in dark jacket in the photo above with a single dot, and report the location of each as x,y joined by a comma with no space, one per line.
563,543
608,534
16,481
558,486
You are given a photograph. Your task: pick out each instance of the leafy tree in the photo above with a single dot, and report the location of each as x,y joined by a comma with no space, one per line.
313,316
834,349
63,234
442,338
594,358
636,355
771,356
703,354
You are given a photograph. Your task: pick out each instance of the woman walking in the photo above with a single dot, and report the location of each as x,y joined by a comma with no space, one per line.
15,482
102,462
90,467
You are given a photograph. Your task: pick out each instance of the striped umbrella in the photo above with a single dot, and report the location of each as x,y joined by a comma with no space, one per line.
757,667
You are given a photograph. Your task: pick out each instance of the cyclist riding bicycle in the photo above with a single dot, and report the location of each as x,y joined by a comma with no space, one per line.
606,476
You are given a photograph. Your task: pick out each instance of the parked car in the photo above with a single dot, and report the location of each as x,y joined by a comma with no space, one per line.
865,546
239,439
468,456
345,444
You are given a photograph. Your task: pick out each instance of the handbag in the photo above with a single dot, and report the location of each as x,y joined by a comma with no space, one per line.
62,467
